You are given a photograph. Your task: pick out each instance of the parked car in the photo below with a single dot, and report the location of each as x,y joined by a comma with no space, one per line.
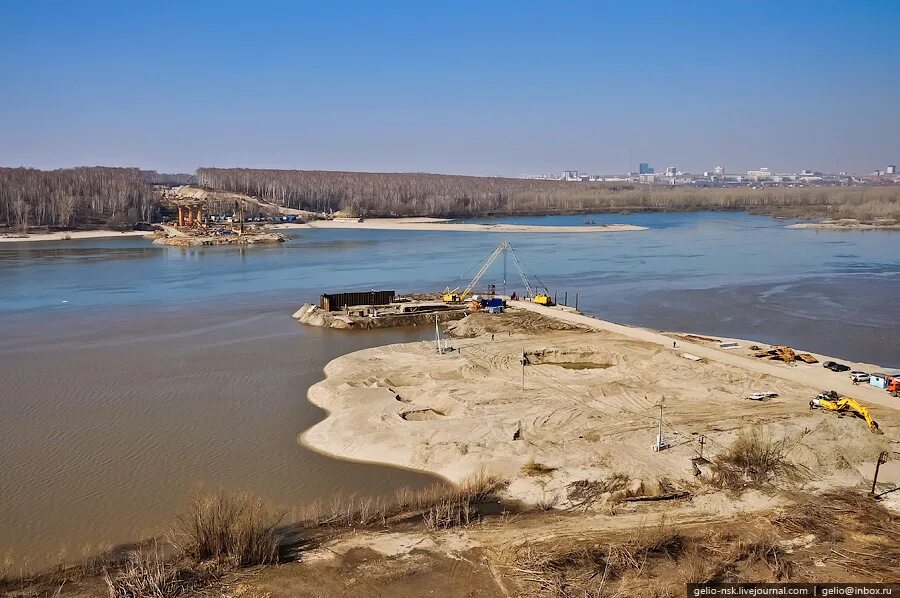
762,396
836,367
859,376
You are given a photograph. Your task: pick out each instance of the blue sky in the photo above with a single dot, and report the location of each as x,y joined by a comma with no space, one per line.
462,87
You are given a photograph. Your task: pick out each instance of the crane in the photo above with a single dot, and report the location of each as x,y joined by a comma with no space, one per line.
831,401
455,295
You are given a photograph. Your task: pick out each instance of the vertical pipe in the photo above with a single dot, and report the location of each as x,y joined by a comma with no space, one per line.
566,299
576,301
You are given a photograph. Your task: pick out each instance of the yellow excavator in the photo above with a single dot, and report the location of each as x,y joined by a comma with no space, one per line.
832,401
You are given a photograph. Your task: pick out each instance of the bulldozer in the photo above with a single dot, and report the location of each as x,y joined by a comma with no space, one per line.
829,400
543,299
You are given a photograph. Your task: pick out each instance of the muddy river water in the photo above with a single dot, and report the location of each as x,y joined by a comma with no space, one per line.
134,375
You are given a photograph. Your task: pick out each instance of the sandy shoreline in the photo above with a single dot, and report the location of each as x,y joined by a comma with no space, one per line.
458,414
847,225
442,224
73,235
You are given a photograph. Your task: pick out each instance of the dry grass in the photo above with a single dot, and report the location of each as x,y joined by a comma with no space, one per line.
584,493
547,502
237,529
532,468
650,559
148,575
439,505
752,459
862,531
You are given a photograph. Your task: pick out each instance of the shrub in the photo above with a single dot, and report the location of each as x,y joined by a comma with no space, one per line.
148,576
238,529
752,459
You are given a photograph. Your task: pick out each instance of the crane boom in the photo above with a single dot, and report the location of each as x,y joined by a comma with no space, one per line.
484,268
453,295
528,291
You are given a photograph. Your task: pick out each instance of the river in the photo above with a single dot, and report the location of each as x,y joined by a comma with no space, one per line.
135,374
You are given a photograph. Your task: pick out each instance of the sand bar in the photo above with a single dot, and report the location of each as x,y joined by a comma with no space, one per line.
73,235
442,224
846,225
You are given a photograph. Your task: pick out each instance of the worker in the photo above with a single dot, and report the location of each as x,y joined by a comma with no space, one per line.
492,337
674,343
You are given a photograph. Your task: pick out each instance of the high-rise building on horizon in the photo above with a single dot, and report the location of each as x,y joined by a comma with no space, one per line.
891,169
645,168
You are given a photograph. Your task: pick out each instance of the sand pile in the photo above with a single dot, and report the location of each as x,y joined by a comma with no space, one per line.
511,322
836,443
312,315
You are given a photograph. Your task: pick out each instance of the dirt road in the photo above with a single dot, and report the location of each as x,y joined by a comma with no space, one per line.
813,375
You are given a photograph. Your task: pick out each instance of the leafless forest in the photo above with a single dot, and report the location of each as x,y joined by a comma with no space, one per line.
119,197
415,194
91,197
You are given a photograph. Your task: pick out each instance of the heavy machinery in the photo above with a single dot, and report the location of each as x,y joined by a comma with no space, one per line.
893,386
832,401
455,295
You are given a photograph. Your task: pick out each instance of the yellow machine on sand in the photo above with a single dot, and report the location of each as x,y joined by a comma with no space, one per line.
832,401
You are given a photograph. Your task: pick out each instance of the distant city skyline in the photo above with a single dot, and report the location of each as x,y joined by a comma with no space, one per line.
460,88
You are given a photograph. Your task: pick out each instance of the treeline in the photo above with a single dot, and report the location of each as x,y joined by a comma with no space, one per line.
74,197
416,194
163,178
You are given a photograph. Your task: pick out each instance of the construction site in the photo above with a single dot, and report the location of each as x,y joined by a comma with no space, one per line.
385,309
194,225
583,416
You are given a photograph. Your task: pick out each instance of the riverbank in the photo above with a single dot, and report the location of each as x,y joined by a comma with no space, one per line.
442,224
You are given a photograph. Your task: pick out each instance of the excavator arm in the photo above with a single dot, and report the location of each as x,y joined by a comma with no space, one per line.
846,404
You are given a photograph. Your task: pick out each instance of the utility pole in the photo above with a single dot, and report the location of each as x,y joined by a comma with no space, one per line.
523,368
659,436
882,458
437,336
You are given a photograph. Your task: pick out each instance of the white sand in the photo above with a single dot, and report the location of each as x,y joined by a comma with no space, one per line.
466,412
441,224
82,234
846,224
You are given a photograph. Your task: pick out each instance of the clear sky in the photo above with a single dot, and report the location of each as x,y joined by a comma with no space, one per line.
456,86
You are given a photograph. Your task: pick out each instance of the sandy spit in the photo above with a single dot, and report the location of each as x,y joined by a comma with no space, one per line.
441,224
64,236
465,412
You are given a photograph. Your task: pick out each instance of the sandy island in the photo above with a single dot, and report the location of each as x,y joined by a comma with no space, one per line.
848,224
72,235
588,411
443,224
